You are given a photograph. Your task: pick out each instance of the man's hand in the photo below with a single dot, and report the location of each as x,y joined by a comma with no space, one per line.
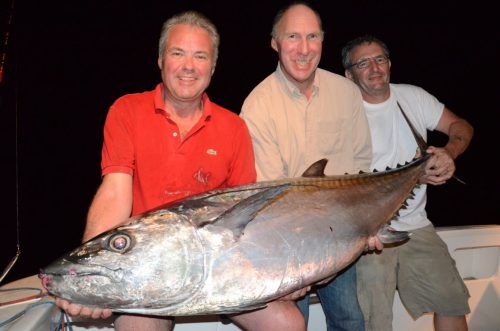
440,167
296,295
303,291
374,243
81,311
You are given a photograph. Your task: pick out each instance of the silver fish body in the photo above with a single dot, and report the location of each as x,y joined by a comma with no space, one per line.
233,249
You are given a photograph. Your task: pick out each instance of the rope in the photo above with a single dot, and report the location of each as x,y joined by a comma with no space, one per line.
63,324
31,297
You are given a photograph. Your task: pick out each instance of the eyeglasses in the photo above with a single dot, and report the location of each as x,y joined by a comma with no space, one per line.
363,64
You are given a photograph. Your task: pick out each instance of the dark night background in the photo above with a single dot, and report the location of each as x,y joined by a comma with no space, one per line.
66,62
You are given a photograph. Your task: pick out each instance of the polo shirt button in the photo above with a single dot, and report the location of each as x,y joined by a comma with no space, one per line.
174,134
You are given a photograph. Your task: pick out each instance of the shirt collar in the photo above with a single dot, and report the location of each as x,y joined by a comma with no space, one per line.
290,88
159,103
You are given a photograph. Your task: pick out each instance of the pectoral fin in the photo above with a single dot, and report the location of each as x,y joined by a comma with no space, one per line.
237,217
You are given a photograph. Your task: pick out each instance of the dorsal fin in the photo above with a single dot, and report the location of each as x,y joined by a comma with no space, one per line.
237,217
317,169
422,145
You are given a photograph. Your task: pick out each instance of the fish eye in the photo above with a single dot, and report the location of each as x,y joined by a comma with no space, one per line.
119,243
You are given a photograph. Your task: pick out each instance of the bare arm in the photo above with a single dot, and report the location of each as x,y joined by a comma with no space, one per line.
441,166
459,132
111,206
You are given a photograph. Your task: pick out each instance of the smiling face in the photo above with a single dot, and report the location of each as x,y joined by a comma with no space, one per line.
299,43
187,64
373,80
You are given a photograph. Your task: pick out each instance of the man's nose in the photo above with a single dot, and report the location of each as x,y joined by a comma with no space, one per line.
188,63
304,46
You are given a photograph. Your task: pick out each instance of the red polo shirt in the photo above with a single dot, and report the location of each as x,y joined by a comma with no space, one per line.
141,140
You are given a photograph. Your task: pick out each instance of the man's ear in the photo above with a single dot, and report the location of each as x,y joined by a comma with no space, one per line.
160,65
274,44
348,74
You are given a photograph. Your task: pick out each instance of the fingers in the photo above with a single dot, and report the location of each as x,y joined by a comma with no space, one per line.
432,180
73,309
61,303
374,243
106,313
296,295
76,310
70,308
96,313
440,167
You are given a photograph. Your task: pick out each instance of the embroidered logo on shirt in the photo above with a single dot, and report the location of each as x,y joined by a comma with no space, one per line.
211,151
201,177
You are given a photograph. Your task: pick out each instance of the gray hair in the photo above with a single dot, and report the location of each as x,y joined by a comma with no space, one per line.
282,12
351,45
191,18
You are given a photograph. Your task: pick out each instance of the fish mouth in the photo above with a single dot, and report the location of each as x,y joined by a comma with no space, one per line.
68,269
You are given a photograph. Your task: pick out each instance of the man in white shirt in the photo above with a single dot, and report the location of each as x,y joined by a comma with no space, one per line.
421,269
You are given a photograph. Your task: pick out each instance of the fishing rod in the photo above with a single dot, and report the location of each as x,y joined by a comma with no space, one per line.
3,59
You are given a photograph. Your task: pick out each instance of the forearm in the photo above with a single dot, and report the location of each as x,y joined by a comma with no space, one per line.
103,215
460,135
111,206
441,166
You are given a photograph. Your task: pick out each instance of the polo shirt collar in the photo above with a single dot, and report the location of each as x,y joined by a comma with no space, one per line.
207,107
159,102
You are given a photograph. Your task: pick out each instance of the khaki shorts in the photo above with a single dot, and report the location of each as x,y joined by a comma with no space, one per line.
421,270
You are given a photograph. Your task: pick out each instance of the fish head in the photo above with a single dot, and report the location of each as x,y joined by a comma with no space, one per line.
152,259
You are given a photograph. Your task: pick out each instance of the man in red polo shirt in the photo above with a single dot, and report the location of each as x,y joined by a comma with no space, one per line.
169,143
169,156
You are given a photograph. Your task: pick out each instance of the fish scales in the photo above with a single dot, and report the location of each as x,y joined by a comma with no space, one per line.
234,249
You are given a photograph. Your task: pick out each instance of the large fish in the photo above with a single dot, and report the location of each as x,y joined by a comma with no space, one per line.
234,249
